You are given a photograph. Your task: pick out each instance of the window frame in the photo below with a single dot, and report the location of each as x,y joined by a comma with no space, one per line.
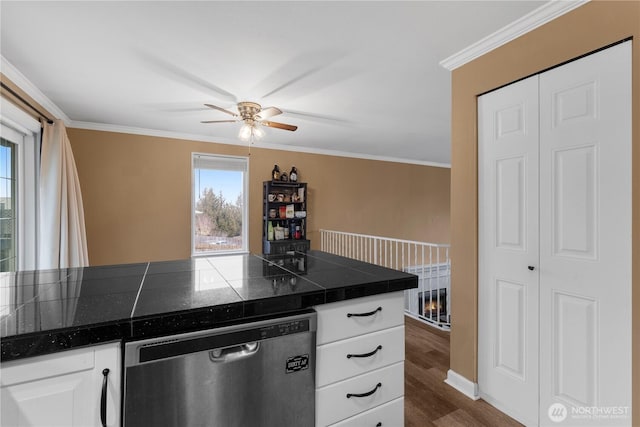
18,127
245,203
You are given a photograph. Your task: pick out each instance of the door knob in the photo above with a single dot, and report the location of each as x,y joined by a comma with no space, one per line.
531,267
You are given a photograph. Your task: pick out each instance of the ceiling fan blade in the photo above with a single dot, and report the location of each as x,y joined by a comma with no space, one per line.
215,107
265,113
320,118
174,72
280,125
218,121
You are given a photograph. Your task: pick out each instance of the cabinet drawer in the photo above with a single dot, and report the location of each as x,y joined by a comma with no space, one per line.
332,363
336,321
53,365
333,405
386,415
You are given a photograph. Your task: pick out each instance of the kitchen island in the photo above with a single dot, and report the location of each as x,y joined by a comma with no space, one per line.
45,313
49,311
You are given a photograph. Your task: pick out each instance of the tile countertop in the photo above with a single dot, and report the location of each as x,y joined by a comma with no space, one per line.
47,311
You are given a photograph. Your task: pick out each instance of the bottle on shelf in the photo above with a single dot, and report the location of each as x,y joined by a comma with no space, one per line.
286,232
275,173
293,175
270,231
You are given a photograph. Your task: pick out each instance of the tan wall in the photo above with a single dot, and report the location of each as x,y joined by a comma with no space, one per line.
137,190
590,27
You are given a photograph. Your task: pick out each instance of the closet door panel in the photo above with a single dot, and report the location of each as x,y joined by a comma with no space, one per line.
576,343
574,185
585,234
508,218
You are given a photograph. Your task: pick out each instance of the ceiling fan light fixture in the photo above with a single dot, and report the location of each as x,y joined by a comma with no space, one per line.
253,117
246,132
250,131
257,131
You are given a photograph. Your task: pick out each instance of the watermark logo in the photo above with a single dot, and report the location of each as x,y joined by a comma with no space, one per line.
557,412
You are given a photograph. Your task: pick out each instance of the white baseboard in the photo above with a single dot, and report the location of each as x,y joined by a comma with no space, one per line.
463,385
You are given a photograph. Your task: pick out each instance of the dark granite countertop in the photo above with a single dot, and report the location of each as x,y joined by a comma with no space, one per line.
47,311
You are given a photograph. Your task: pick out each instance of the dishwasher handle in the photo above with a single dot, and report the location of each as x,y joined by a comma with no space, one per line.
230,354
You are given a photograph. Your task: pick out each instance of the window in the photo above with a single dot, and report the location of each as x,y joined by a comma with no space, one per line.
19,163
8,221
219,204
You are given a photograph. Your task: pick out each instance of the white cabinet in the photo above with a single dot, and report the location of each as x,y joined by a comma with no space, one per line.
360,362
63,389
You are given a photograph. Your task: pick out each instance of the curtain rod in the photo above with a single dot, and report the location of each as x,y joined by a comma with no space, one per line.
25,102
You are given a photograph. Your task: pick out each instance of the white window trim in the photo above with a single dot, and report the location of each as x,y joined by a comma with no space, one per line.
19,127
245,207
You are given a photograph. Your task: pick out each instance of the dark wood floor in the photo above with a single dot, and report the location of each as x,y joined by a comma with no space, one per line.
428,401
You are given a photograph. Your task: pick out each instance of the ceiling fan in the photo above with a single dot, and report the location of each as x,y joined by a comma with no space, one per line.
253,116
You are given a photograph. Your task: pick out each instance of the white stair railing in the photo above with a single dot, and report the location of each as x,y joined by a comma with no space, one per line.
431,301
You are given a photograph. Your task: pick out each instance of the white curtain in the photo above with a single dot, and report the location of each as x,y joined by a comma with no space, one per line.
62,234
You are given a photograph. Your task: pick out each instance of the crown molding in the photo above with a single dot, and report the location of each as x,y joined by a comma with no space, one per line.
534,19
203,138
106,127
20,80
337,153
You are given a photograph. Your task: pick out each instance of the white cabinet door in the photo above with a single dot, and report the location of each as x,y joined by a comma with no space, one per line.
62,389
508,251
585,236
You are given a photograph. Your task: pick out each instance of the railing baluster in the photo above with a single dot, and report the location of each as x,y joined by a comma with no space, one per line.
351,251
384,248
386,253
433,284
396,252
375,251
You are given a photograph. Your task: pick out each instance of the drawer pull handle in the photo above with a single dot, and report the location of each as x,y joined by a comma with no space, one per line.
103,398
370,313
371,353
369,393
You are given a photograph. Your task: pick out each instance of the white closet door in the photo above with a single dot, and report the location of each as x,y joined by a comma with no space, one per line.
508,236
585,236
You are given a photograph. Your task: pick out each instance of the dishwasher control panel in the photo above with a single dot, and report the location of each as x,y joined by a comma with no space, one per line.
282,329
177,345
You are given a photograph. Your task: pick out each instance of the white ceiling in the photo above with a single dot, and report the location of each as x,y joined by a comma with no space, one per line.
360,78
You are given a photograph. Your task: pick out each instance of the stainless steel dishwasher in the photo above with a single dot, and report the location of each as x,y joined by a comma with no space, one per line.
254,374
